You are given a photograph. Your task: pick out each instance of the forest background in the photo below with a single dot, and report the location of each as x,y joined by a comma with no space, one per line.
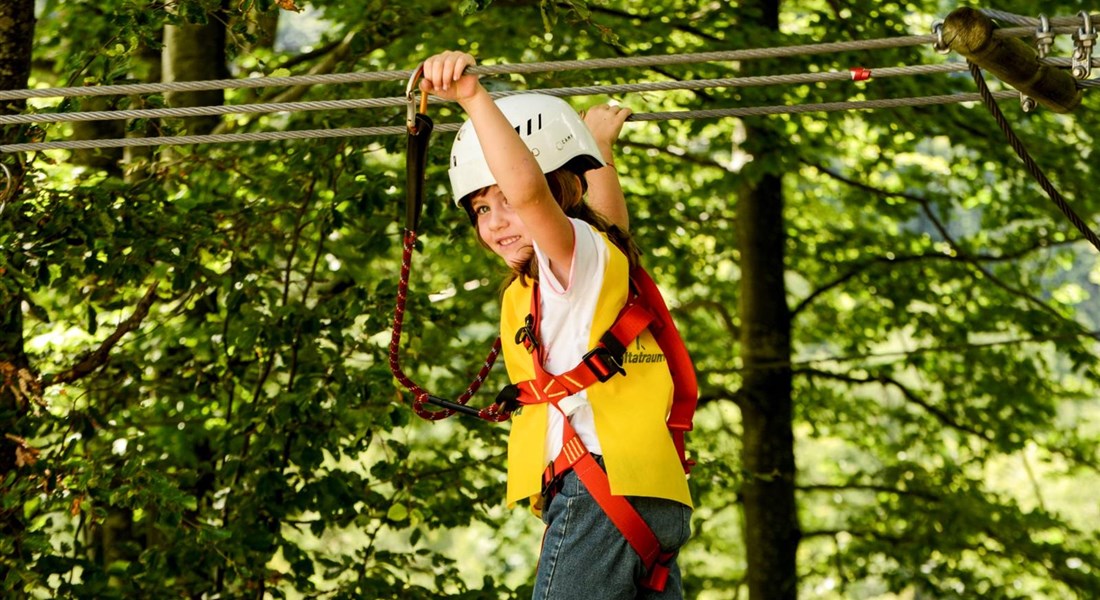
896,333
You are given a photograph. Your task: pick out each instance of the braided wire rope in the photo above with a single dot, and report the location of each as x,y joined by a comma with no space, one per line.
263,136
1060,25
1025,21
493,412
1013,18
747,54
696,84
990,103
855,74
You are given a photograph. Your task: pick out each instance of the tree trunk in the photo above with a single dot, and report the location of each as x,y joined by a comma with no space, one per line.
106,159
138,159
16,35
771,531
771,519
195,52
264,26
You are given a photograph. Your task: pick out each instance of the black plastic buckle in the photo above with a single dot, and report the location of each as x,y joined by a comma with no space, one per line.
526,335
603,363
551,485
508,398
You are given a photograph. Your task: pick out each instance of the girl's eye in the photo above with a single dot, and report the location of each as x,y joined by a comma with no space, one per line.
480,210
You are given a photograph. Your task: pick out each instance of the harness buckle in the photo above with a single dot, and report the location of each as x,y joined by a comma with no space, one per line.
551,484
603,363
526,335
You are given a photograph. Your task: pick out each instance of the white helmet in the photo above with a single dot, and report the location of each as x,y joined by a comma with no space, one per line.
552,130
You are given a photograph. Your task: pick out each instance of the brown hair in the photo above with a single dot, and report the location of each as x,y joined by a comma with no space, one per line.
568,189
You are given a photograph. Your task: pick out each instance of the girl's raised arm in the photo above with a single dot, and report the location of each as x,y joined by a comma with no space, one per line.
605,194
515,169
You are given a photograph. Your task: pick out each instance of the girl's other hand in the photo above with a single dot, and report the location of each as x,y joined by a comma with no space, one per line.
605,122
444,76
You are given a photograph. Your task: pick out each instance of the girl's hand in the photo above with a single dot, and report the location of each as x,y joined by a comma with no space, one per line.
605,122
444,76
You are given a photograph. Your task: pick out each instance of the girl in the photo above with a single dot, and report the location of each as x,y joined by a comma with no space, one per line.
519,167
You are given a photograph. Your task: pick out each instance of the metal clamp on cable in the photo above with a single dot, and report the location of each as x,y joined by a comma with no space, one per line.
1044,36
1044,40
1083,40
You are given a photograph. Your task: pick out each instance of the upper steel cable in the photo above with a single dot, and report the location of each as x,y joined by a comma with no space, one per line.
622,88
1061,25
357,103
444,127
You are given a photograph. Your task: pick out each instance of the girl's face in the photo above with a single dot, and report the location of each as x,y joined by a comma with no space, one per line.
500,228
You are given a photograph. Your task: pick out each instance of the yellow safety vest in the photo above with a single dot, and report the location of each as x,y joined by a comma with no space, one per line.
629,411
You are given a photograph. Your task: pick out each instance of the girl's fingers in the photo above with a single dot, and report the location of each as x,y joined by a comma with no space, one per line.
446,76
445,68
461,62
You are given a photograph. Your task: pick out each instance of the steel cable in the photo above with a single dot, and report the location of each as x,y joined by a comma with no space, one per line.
1060,24
263,136
989,100
623,88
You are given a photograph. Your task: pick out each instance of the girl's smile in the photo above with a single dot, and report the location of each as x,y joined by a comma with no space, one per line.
500,228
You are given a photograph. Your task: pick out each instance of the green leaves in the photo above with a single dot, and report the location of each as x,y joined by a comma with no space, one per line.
944,320
469,7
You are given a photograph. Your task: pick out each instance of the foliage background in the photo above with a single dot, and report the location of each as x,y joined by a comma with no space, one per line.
247,438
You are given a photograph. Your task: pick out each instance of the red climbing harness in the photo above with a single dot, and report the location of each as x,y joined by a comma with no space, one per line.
645,309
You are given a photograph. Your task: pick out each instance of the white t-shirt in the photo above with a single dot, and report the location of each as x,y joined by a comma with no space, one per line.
566,311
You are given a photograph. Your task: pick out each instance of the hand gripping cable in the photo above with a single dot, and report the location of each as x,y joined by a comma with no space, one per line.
419,127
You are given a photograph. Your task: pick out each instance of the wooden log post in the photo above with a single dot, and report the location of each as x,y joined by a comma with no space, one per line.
970,33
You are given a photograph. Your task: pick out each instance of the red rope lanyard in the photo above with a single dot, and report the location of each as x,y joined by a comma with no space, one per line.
420,129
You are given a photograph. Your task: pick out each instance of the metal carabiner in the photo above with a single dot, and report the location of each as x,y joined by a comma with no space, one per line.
939,45
410,89
1084,40
8,185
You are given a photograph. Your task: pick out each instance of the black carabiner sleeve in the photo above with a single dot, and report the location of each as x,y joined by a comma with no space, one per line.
416,157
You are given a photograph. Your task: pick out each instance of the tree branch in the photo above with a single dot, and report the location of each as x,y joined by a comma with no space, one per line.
98,357
721,394
1022,294
695,159
909,395
960,254
870,487
628,16
832,533
860,268
861,185
723,312
951,348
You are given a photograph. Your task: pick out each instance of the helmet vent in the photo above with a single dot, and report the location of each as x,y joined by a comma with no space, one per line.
531,126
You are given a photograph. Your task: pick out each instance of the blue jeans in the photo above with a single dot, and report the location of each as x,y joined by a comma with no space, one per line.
585,557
